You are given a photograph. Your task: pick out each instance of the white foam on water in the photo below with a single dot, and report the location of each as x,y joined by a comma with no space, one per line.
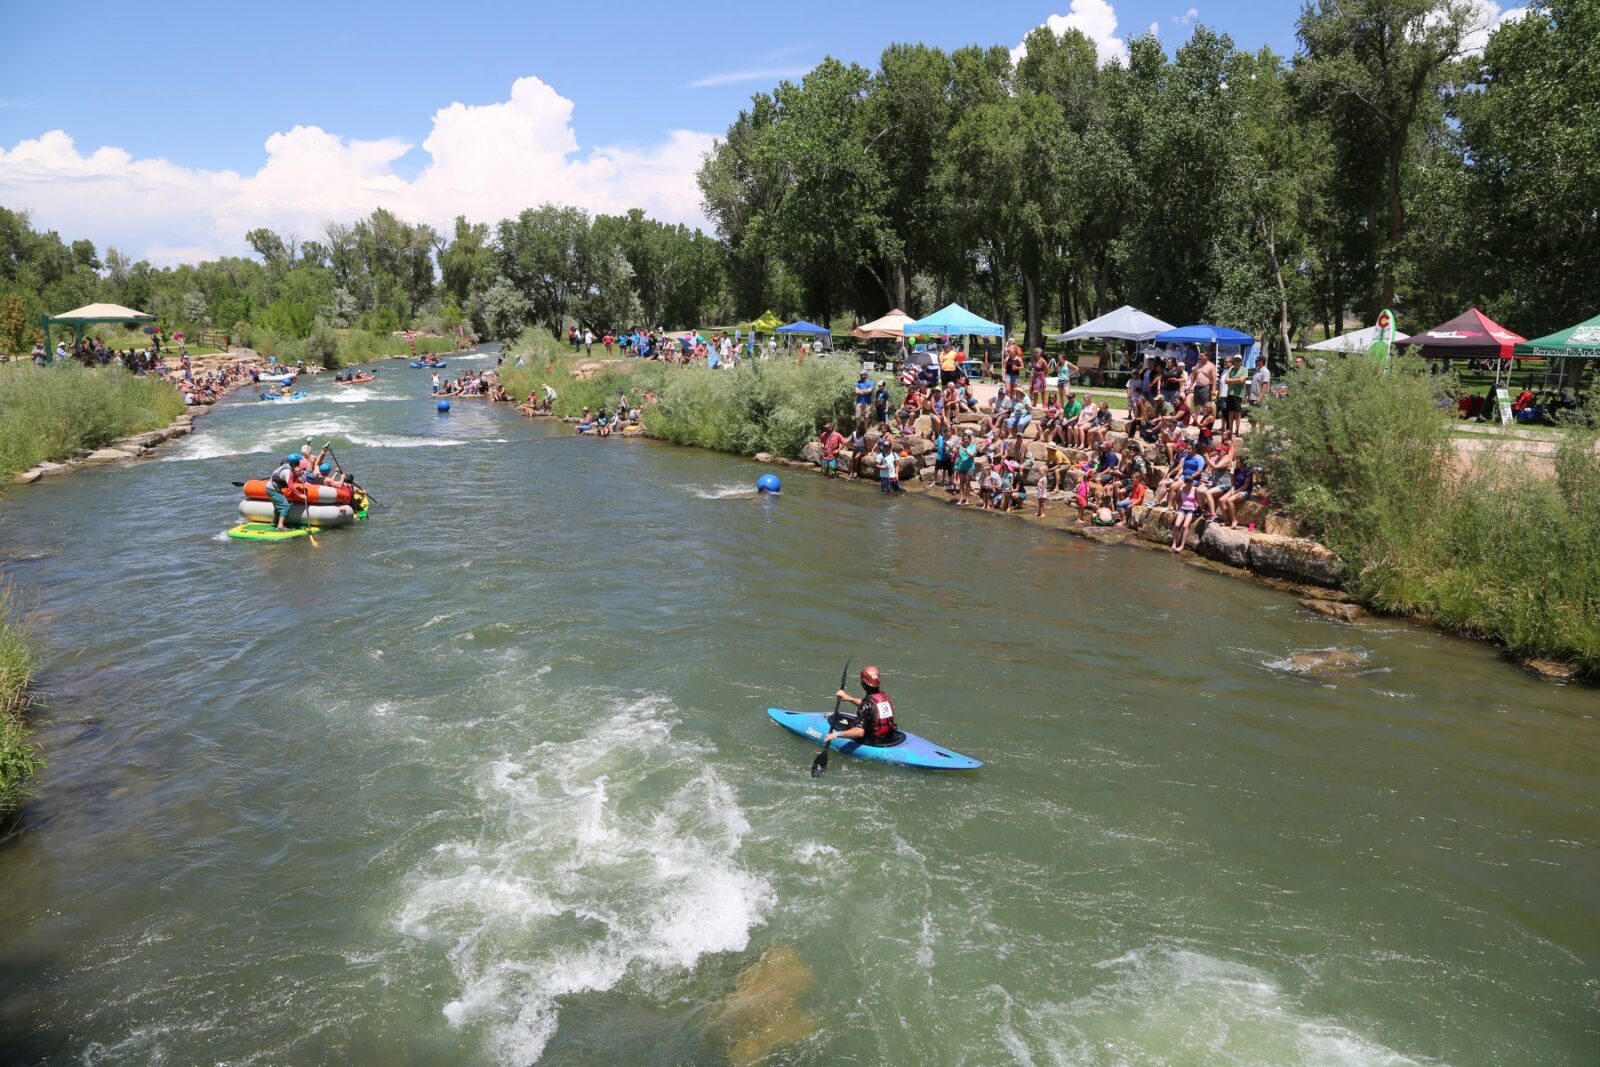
1164,1004
384,440
608,856
222,439
720,492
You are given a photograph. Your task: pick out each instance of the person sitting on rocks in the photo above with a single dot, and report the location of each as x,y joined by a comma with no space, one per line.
1077,429
1097,430
1240,488
1130,497
1021,414
858,449
585,422
1049,428
1187,506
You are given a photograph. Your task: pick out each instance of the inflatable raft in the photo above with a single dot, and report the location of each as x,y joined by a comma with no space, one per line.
322,516
301,395
418,364
355,381
256,489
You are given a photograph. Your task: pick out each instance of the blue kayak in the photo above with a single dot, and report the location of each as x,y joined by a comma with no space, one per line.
417,364
914,751
281,396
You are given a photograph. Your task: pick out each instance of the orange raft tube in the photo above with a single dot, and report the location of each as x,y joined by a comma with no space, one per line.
256,489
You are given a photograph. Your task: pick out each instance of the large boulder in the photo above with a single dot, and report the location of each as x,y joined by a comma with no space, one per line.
1333,609
1224,545
811,453
1294,558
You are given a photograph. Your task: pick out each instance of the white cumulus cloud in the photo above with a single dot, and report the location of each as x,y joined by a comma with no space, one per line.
1483,17
1096,20
485,161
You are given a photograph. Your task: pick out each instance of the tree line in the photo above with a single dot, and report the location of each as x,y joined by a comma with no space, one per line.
1386,163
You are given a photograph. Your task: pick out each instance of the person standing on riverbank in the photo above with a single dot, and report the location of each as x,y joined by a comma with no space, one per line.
831,441
864,387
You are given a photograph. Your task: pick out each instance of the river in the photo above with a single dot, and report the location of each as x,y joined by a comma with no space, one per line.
488,780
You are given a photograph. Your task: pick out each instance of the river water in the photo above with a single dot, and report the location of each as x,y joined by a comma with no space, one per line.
488,780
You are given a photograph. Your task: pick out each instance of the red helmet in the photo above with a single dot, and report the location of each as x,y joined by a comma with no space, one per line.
871,677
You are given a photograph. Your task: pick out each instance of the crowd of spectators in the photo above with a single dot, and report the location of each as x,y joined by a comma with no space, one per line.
1176,445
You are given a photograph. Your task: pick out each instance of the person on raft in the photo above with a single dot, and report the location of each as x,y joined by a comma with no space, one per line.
874,722
279,484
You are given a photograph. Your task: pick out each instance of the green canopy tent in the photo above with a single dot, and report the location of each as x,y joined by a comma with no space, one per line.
1572,346
88,315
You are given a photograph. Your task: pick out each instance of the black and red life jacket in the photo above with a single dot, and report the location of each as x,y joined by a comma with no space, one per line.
877,718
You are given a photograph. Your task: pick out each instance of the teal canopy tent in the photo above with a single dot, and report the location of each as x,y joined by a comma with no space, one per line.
953,321
87,315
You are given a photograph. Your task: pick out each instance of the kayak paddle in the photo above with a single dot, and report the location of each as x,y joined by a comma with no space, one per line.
820,764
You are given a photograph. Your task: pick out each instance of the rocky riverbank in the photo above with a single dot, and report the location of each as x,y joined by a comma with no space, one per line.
136,445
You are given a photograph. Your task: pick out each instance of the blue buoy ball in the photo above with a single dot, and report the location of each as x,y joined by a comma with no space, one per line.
444,405
768,483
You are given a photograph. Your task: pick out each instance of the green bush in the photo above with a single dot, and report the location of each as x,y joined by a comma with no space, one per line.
19,756
52,412
1363,459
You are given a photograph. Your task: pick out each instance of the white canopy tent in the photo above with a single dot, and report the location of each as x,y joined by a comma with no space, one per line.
1354,341
1127,323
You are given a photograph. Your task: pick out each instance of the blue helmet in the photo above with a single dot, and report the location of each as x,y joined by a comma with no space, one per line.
294,457
326,468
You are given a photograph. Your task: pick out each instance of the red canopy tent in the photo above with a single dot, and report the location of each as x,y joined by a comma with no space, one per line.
1470,335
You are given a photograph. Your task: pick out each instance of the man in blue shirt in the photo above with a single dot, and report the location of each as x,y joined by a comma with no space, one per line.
864,388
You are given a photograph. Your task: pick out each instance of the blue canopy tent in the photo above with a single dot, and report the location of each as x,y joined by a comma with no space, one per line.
1203,335
802,326
953,321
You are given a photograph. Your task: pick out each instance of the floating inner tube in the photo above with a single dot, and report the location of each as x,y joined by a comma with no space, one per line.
319,515
256,489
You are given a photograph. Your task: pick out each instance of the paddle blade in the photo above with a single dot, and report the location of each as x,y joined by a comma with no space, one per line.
820,764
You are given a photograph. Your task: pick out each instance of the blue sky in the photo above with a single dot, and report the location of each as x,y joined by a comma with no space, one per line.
171,128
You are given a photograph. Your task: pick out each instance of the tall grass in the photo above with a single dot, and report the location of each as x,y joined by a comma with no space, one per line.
49,413
1362,457
757,407
19,757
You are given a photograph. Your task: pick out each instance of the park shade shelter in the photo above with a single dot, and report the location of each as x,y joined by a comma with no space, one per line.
765,324
89,315
1203,334
953,320
801,326
889,327
1127,323
1353,341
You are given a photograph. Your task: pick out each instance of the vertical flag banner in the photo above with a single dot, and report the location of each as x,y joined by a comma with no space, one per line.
1383,343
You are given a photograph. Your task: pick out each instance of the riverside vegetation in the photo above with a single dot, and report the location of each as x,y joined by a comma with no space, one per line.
19,757
1362,458
51,413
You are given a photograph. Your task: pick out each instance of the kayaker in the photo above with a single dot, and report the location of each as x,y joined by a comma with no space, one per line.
874,723
279,484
